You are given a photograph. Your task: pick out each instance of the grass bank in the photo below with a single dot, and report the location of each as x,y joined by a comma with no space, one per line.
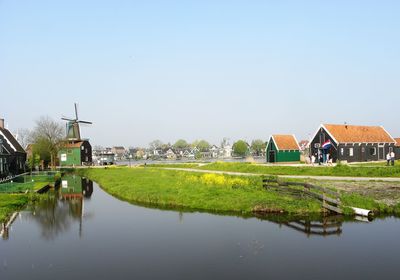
213,192
339,170
10,203
203,192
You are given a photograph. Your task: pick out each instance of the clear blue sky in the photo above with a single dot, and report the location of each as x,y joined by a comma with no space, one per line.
145,70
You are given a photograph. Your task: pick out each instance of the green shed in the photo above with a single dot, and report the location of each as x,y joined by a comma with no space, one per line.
75,153
283,148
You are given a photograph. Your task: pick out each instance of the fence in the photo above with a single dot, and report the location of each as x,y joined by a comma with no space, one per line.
305,189
27,181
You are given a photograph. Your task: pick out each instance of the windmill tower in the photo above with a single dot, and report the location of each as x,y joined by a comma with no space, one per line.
72,128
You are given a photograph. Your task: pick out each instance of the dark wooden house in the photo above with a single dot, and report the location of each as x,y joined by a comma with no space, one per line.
12,154
397,148
283,148
352,143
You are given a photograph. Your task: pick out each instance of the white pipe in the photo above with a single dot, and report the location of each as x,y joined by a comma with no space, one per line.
362,212
362,219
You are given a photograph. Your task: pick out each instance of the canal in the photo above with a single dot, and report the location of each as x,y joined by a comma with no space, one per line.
81,232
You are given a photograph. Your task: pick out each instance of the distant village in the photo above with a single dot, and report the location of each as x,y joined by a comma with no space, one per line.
330,143
169,152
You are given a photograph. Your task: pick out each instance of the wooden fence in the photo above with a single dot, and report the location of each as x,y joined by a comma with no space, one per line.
330,199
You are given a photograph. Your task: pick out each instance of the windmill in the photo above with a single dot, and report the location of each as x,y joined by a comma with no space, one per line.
72,128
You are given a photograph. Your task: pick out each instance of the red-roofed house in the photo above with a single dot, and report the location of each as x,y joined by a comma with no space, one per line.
283,148
352,143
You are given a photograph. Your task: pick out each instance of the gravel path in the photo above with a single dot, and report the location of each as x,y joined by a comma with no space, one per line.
328,178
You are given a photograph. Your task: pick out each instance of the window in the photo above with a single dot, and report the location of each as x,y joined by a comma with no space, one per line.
351,152
69,151
82,147
390,149
372,151
342,151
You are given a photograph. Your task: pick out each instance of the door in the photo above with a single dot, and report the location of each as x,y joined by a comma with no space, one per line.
381,152
362,154
272,156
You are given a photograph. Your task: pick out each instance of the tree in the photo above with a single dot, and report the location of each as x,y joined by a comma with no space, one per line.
34,161
156,144
240,148
203,145
24,137
47,136
181,144
194,144
258,147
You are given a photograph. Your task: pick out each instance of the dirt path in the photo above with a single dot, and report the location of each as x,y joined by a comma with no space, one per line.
325,178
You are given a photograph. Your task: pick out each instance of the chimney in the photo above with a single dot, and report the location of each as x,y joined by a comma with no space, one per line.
1,123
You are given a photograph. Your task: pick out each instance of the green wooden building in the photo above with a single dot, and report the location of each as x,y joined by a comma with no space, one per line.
283,148
75,153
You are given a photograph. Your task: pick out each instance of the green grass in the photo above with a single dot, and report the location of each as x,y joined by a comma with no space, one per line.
193,191
340,170
16,187
10,203
356,200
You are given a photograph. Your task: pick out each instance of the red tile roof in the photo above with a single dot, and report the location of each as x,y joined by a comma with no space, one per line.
397,142
286,142
359,134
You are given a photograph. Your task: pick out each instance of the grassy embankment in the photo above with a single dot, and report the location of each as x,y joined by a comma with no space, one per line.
10,203
14,196
210,192
339,170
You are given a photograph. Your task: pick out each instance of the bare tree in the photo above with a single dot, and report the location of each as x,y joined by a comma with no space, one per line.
50,133
24,137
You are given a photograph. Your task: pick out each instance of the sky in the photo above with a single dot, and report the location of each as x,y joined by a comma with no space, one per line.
146,70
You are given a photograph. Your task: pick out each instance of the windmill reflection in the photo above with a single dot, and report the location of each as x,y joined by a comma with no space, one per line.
58,211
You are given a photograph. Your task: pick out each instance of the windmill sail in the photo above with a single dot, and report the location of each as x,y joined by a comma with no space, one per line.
72,128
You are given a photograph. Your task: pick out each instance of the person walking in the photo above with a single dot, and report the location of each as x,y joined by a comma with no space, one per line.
392,157
388,159
313,160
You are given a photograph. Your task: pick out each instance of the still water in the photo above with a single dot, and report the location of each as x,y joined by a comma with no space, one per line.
81,232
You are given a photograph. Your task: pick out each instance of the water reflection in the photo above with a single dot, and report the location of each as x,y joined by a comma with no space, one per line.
57,211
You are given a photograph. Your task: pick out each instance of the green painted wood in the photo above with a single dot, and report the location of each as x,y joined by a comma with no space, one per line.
73,156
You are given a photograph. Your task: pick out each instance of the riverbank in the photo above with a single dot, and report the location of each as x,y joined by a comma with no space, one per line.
214,192
9,203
